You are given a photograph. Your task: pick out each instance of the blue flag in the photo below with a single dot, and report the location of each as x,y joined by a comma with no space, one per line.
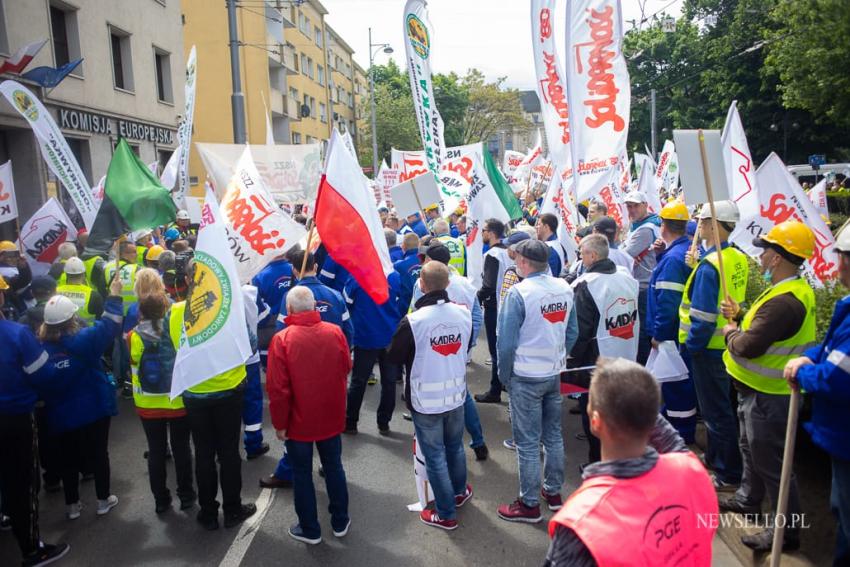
49,77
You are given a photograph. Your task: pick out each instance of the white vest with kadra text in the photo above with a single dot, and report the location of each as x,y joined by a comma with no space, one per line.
616,299
438,376
541,350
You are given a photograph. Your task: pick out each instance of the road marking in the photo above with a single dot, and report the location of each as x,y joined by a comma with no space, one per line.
249,529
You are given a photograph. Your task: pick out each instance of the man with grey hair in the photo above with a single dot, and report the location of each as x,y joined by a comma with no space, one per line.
396,253
67,250
606,305
536,330
307,407
455,245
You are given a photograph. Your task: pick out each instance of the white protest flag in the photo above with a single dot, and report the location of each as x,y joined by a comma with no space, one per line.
42,234
269,128
215,337
423,487
99,190
647,184
54,148
169,172
348,142
668,167
387,178
740,171
551,88
184,131
8,203
483,202
510,163
533,158
612,194
780,199
418,34
817,195
257,230
599,91
642,160
557,201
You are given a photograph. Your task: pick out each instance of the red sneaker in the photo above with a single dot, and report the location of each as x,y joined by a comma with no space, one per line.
553,501
517,511
431,518
461,499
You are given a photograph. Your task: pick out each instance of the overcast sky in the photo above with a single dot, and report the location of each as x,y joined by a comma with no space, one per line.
493,36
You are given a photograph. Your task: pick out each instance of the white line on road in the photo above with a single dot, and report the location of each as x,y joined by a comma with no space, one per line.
249,529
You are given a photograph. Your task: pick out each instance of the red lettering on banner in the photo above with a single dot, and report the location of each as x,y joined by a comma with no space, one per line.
462,167
514,161
545,24
601,82
243,217
556,95
665,157
4,196
778,212
565,211
206,216
614,210
744,170
417,167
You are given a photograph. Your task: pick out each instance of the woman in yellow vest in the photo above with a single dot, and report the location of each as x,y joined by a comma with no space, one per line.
153,345
778,327
89,302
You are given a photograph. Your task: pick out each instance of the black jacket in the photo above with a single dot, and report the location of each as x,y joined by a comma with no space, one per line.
402,349
488,294
586,350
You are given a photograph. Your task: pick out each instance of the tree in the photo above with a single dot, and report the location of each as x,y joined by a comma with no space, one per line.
810,52
492,108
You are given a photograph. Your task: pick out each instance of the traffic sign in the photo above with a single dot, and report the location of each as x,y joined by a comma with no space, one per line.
817,160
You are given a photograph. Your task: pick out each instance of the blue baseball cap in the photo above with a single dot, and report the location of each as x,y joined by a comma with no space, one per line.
515,238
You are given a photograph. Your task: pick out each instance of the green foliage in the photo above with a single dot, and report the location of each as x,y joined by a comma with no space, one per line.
838,202
491,108
699,69
809,50
825,298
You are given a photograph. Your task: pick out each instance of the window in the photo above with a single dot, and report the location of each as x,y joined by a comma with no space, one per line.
162,68
317,33
323,112
350,100
293,94
320,75
296,138
303,63
122,63
304,24
309,72
66,37
311,140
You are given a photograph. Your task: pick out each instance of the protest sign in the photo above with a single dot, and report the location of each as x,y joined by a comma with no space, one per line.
416,194
8,203
700,166
42,234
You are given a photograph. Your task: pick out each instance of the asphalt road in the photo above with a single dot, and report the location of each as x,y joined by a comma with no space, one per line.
380,483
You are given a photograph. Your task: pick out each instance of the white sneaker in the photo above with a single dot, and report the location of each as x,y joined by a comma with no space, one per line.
72,511
104,506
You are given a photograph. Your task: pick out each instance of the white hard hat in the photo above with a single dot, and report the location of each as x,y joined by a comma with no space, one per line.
58,310
726,211
140,234
182,214
635,197
842,240
74,266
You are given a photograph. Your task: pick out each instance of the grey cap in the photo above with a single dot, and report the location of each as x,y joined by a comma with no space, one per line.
532,249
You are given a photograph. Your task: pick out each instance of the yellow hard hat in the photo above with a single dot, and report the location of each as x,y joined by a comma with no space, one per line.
792,236
154,252
675,210
8,246
432,207
3,285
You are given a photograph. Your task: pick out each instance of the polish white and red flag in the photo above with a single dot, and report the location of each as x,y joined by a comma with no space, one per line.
22,57
348,222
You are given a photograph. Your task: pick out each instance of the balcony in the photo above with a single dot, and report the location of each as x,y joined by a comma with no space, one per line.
291,108
290,60
276,102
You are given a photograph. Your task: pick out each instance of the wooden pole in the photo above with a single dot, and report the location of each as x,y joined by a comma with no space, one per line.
307,249
785,479
714,226
696,239
542,179
419,204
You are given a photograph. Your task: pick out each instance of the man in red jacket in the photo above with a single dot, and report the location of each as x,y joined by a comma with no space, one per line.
307,405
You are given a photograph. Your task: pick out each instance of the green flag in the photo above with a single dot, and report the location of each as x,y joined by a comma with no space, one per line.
134,199
500,185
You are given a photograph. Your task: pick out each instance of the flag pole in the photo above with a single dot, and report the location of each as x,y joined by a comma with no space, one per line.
307,246
419,204
716,232
693,249
785,478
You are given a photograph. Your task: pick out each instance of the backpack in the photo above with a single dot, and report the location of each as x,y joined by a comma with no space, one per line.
157,363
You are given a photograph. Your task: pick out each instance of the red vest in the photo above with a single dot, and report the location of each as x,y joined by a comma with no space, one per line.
667,516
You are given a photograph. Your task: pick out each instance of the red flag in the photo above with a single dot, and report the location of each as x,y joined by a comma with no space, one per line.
348,222
22,57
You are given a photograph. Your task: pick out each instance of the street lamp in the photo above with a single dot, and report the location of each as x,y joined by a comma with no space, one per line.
388,50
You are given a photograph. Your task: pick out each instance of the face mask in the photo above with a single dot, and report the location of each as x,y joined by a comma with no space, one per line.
768,276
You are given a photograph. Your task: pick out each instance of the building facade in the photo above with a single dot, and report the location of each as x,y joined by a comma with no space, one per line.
521,140
129,84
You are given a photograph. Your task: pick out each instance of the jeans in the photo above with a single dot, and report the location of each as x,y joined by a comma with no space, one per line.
491,316
472,421
216,423
644,340
19,478
330,453
535,415
364,361
594,447
440,436
712,385
839,501
80,448
157,432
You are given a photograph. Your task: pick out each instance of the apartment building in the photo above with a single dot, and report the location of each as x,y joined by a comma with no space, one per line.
130,85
